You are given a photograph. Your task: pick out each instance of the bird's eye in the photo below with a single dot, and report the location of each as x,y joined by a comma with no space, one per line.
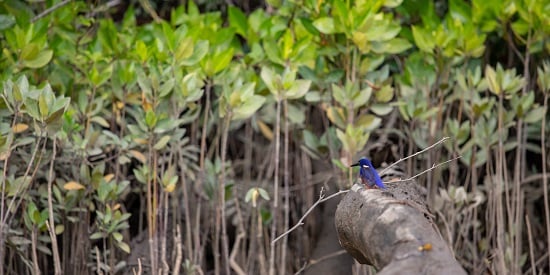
365,166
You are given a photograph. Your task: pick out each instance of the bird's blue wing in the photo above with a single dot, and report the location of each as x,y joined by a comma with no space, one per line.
376,178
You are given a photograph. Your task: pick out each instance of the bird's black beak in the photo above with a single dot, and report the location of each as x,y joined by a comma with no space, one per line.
357,164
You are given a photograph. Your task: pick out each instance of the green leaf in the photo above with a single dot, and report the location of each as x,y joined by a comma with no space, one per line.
392,3
238,21
117,236
141,51
150,119
263,194
270,79
288,43
101,121
97,235
325,25
460,10
249,194
59,229
308,25
362,97
491,77
423,39
40,61
273,52
167,87
385,94
367,122
394,46
162,142
6,21
124,247
43,105
298,89
339,94
381,109
184,50
535,115
29,52
199,52
310,139
248,108
223,59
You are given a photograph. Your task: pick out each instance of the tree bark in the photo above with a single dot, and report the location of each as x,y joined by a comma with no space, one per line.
392,230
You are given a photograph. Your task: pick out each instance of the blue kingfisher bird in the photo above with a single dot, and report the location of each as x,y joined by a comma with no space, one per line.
369,176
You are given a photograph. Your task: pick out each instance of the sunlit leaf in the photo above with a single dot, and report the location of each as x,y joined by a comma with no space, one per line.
73,185
109,177
124,247
325,25
59,229
20,127
265,130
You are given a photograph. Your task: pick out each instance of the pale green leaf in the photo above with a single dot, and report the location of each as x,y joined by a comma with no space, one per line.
162,142
325,25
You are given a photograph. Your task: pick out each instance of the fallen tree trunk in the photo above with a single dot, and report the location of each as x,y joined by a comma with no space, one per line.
392,231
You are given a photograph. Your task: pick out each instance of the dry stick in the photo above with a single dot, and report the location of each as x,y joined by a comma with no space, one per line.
51,225
149,9
300,222
177,240
234,251
98,262
530,237
539,260
425,171
415,154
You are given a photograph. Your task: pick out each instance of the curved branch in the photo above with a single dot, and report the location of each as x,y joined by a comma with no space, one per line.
390,229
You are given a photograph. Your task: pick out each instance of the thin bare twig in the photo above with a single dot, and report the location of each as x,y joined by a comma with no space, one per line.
149,9
312,262
50,10
331,255
35,266
51,224
415,154
530,238
434,166
300,222
275,206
